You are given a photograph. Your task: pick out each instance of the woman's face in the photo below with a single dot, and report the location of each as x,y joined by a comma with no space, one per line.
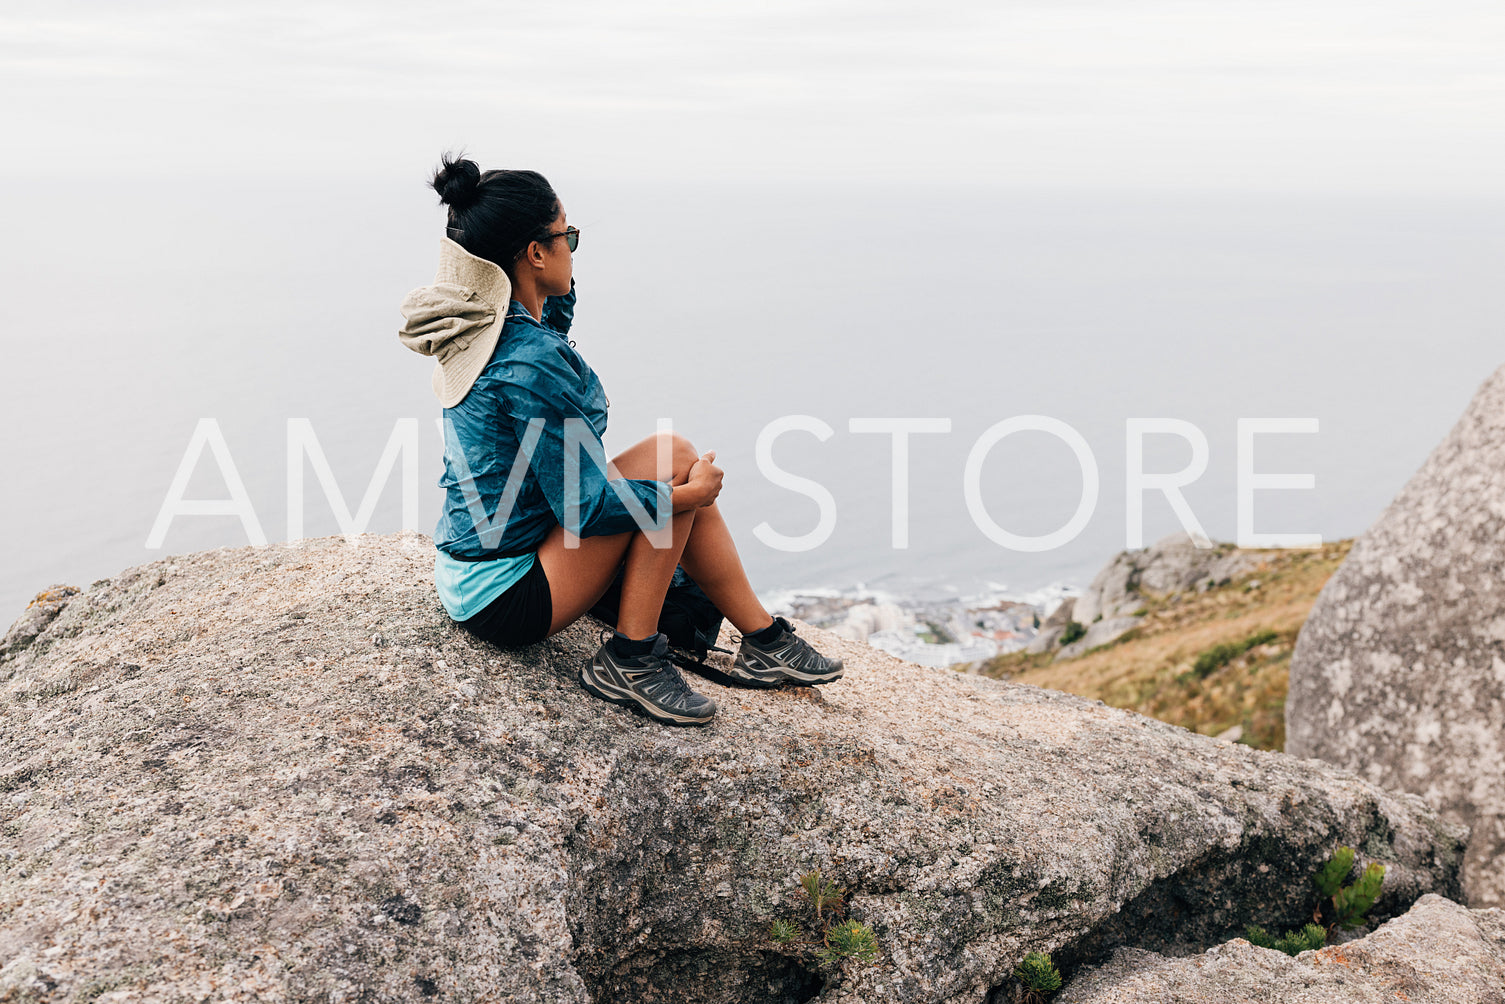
558,264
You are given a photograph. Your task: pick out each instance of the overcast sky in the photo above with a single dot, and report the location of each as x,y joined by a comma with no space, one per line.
1317,95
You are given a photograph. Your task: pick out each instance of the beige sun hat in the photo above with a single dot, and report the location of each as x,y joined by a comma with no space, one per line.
457,320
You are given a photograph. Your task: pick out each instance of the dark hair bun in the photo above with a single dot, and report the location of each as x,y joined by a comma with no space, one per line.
457,182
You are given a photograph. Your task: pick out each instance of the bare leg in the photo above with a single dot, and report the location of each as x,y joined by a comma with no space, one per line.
579,574
711,559
709,555
645,579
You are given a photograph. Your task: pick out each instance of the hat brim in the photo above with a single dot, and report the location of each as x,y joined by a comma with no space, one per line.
453,378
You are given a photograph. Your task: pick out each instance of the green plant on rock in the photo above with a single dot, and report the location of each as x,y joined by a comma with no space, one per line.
1338,905
822,894
1310,937
783,931
1038,975
1073,631
848,940
1330,879
1349,903
841,941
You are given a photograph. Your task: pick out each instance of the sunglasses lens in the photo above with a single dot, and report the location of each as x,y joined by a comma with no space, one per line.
572,238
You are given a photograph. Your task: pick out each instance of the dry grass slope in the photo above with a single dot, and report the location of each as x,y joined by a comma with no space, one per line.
1206,661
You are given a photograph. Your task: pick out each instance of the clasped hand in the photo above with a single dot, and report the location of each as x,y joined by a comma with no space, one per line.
705,476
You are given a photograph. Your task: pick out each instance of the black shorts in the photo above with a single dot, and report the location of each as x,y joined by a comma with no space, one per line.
520,616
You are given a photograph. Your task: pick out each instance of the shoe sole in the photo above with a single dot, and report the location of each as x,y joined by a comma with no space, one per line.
634,703
786,674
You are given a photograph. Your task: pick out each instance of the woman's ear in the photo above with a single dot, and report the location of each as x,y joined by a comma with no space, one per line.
532,255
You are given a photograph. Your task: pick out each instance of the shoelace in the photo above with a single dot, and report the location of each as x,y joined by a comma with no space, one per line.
804,656
667,670
670,671
680,687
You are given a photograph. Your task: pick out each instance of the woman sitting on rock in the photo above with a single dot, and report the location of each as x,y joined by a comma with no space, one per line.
520,406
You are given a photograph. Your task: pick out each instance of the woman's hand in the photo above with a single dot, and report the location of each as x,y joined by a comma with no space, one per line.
706,477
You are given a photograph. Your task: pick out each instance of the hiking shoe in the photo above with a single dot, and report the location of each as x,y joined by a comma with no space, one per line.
786,657
649,684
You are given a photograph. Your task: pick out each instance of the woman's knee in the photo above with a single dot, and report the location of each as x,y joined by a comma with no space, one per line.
641,459
682,455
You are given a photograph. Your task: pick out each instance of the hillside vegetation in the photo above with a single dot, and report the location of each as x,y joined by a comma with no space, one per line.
1208,661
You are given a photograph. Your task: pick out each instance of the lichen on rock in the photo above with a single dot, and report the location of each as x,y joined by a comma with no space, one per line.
1399,670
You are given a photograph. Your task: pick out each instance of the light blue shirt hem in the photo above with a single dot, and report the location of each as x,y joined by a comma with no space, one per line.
466,587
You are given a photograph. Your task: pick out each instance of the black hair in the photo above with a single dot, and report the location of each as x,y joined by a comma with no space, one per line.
496,214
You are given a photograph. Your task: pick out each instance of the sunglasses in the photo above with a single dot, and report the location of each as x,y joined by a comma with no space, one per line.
571,237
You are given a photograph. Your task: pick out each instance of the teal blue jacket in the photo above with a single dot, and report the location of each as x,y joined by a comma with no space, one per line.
535,398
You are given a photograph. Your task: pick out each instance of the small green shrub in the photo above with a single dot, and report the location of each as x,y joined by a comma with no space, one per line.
1338,905
1310,937
1258,936
1351,903
841,941
822,894
1038,975
848,940
1213,659
1330,879
1074,630
783,931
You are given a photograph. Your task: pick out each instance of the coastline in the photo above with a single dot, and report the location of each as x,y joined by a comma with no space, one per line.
962,632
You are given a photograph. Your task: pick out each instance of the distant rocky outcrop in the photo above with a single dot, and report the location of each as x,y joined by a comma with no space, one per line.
1438,952
282,773
1399,671
1052,627
1107,608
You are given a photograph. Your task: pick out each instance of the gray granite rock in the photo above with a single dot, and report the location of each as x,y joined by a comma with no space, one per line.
1052,626
281,774
1098,633
1180,563
1046,638
1438,952
1061,615
1113,590
1175,563
1399,670
39,613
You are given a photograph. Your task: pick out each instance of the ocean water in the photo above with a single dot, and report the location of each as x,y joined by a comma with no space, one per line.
134,310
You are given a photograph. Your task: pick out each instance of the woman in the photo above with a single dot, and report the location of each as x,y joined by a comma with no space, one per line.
531,535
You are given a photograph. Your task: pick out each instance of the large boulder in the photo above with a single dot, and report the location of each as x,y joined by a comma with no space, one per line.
1399,670
1438,952
282,773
